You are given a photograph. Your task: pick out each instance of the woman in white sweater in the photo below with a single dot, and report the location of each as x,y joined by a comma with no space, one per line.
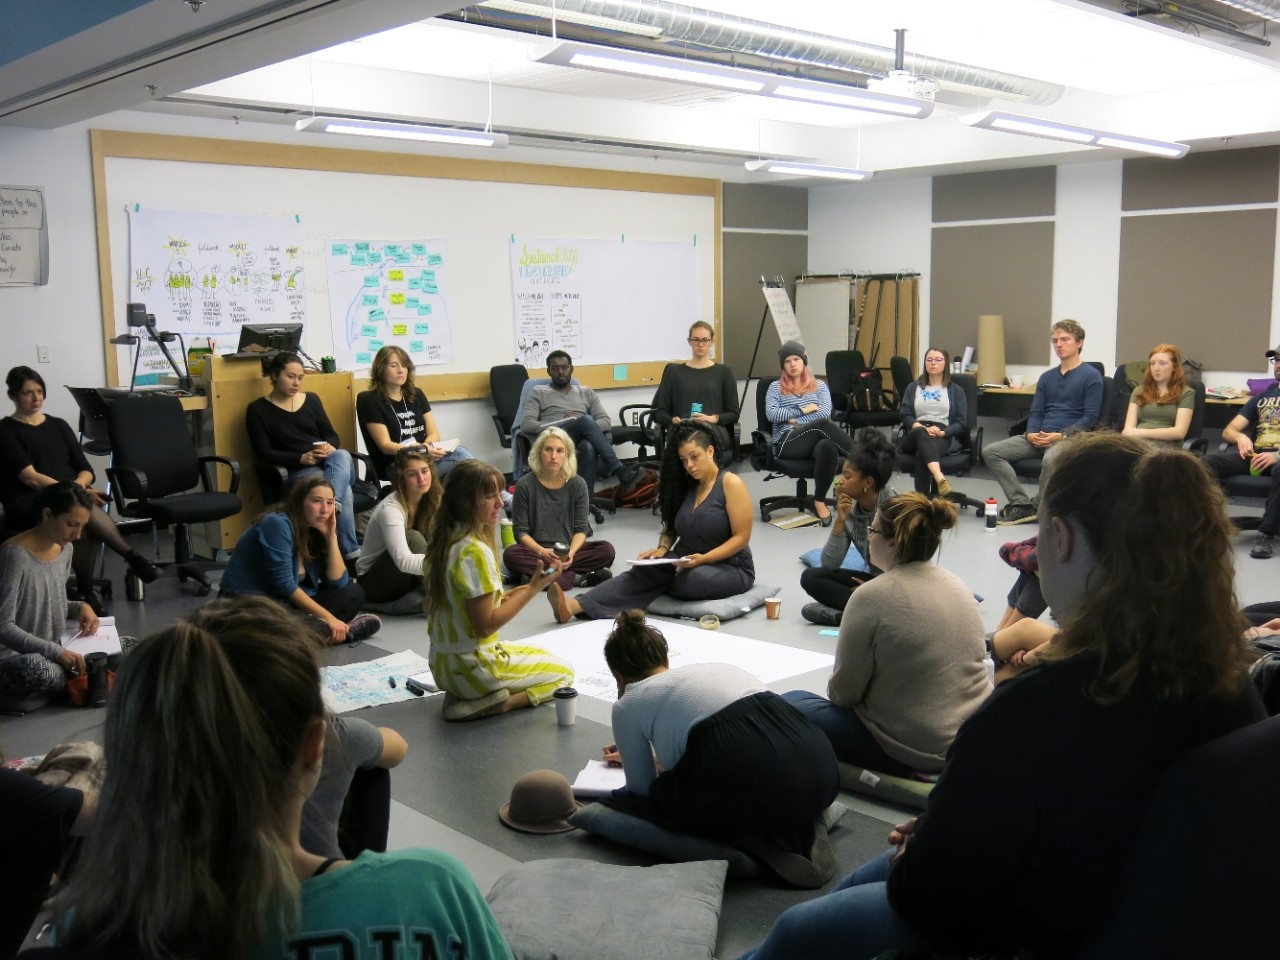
395,539
909,658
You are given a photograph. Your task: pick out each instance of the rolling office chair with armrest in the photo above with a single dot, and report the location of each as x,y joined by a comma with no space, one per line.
367,490
762,458
506,383
522,444
156,466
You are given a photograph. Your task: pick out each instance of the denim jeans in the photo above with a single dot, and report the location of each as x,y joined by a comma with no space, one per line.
849,736
451,460
337,469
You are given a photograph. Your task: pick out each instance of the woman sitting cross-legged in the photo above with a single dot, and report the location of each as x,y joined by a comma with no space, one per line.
214,740
466,606
551,506
708,750
292,555
933,414
1020,637
706,526
908,667
34,609
1022,847
395,539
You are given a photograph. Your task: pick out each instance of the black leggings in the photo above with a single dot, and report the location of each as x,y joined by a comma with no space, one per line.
927,450
821,441
833,588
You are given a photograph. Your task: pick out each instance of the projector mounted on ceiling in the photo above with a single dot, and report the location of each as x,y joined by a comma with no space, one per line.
900,83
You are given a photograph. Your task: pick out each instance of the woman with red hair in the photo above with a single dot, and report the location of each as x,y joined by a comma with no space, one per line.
1160,407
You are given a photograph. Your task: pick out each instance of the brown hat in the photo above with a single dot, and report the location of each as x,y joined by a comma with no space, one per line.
541,802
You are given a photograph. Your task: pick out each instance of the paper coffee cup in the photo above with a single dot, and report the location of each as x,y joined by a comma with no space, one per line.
1016,382
566,706
773,607
508,531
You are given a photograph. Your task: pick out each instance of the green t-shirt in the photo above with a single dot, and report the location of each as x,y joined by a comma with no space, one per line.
1160,416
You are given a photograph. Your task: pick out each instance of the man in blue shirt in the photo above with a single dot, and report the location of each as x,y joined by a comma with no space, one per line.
1255,434
1068,399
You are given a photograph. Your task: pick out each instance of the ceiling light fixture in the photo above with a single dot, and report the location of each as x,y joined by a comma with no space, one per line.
568,53
1085,136
796,169
392,130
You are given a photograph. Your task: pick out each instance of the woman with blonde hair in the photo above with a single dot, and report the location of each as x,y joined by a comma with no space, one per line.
1045,786
551,506
799,407
466,606
1160,408
214,740
908,667
395,538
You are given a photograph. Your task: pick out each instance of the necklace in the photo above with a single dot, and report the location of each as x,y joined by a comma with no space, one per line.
401,419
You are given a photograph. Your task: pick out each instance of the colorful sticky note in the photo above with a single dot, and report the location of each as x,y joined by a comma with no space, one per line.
429,287
338,249
411,303
376,345
400,329
372,281
395,274
419,249
378,314
421,328
435,259
400,257
368,330
428,275
415,283
364,359
416,346
391,248
359,259
424,309
369,300
362,246
619,371
375,256
397,299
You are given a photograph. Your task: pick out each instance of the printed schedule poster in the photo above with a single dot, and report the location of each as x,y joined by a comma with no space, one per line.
383,292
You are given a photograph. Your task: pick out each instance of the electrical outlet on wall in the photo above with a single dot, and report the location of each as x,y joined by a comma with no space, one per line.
42,352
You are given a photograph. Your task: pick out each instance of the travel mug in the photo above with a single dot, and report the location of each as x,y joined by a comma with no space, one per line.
566,706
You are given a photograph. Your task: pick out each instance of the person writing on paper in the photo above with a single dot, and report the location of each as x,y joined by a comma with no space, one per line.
34,609
551,506
933,417
289,428
908,667
466,606
395,539
799,407
292,555
700,389
709,750
214,740
1160,408
394,413
706,528
37,449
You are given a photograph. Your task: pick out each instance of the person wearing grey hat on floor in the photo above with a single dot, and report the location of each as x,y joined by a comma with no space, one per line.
1255,434
799,407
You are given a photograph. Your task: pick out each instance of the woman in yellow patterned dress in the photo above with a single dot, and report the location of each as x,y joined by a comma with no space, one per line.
466,606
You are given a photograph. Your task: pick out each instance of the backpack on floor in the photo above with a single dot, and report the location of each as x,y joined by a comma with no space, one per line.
643,494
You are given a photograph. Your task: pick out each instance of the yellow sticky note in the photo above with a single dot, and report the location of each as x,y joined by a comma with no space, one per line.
397,299
395,274
400,329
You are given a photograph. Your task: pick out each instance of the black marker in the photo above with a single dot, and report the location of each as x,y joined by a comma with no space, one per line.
392,681
414,687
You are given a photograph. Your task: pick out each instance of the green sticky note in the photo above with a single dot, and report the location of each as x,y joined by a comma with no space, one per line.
422,328
378,314
400,329
417,346
400,257
338,249
376,345
368,330
828,633
429,287
435,259
395,274
369,300
419,249
364,359
371,281
362,246
619,371
359,259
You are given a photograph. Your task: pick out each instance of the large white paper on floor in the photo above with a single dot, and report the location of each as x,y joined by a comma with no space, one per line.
583,646
353,686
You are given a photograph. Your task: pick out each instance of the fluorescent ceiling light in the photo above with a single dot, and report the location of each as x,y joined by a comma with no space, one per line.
796,169
567,53
573,16
1052,130
392,130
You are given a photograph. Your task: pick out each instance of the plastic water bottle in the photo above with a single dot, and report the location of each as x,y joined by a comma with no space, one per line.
990,514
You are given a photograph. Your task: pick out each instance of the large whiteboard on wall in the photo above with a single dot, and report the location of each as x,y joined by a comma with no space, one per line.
479,220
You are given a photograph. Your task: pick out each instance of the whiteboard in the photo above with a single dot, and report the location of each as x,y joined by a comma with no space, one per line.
478,218
822,308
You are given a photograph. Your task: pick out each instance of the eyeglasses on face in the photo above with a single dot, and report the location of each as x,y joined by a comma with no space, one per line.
700,341
935,359
881,532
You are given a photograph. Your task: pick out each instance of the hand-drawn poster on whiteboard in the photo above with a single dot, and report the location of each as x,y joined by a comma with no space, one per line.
383,292
603,301
208,274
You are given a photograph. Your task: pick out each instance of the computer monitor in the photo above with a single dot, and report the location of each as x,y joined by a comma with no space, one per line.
263,338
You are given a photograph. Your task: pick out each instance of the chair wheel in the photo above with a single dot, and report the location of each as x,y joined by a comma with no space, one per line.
979,512
202,590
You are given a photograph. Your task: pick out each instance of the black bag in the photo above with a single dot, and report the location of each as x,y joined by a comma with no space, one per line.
867,395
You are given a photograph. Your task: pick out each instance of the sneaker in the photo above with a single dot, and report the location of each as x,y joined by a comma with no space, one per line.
141,567
944,487
1263,546
363,627
597,577
628,477
459,711
1015,513
821,614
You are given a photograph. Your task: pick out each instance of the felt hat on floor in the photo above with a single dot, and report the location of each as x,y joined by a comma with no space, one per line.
541,802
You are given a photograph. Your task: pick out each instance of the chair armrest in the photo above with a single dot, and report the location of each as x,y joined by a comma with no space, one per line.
976,446
370,471
504,435
209,477
128,483
1019,428
272,479
1199,446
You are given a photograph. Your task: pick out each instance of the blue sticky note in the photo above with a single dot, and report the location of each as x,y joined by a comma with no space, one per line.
369,300
428,275
826,632
362,246
435,259
619,371
411,303
364,359
424,309
391,248
338,249
419,249
417,346
375,257
429,287
422,328
371,281
378,314
415,283
401,257
368,330
359,259
376,345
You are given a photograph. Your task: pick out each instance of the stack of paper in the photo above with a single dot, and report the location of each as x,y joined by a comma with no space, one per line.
598,779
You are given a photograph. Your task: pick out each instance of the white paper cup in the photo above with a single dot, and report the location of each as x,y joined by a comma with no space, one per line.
566,706
1016,382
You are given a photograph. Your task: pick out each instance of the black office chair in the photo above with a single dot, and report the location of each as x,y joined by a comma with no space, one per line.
890,399
366,490
505,383
841,367
960,462
156,466
762,458
636,425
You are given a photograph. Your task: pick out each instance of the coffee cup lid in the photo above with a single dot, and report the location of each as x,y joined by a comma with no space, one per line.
565,693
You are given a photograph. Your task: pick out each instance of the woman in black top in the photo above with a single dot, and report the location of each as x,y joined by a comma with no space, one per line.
289,428
37,450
